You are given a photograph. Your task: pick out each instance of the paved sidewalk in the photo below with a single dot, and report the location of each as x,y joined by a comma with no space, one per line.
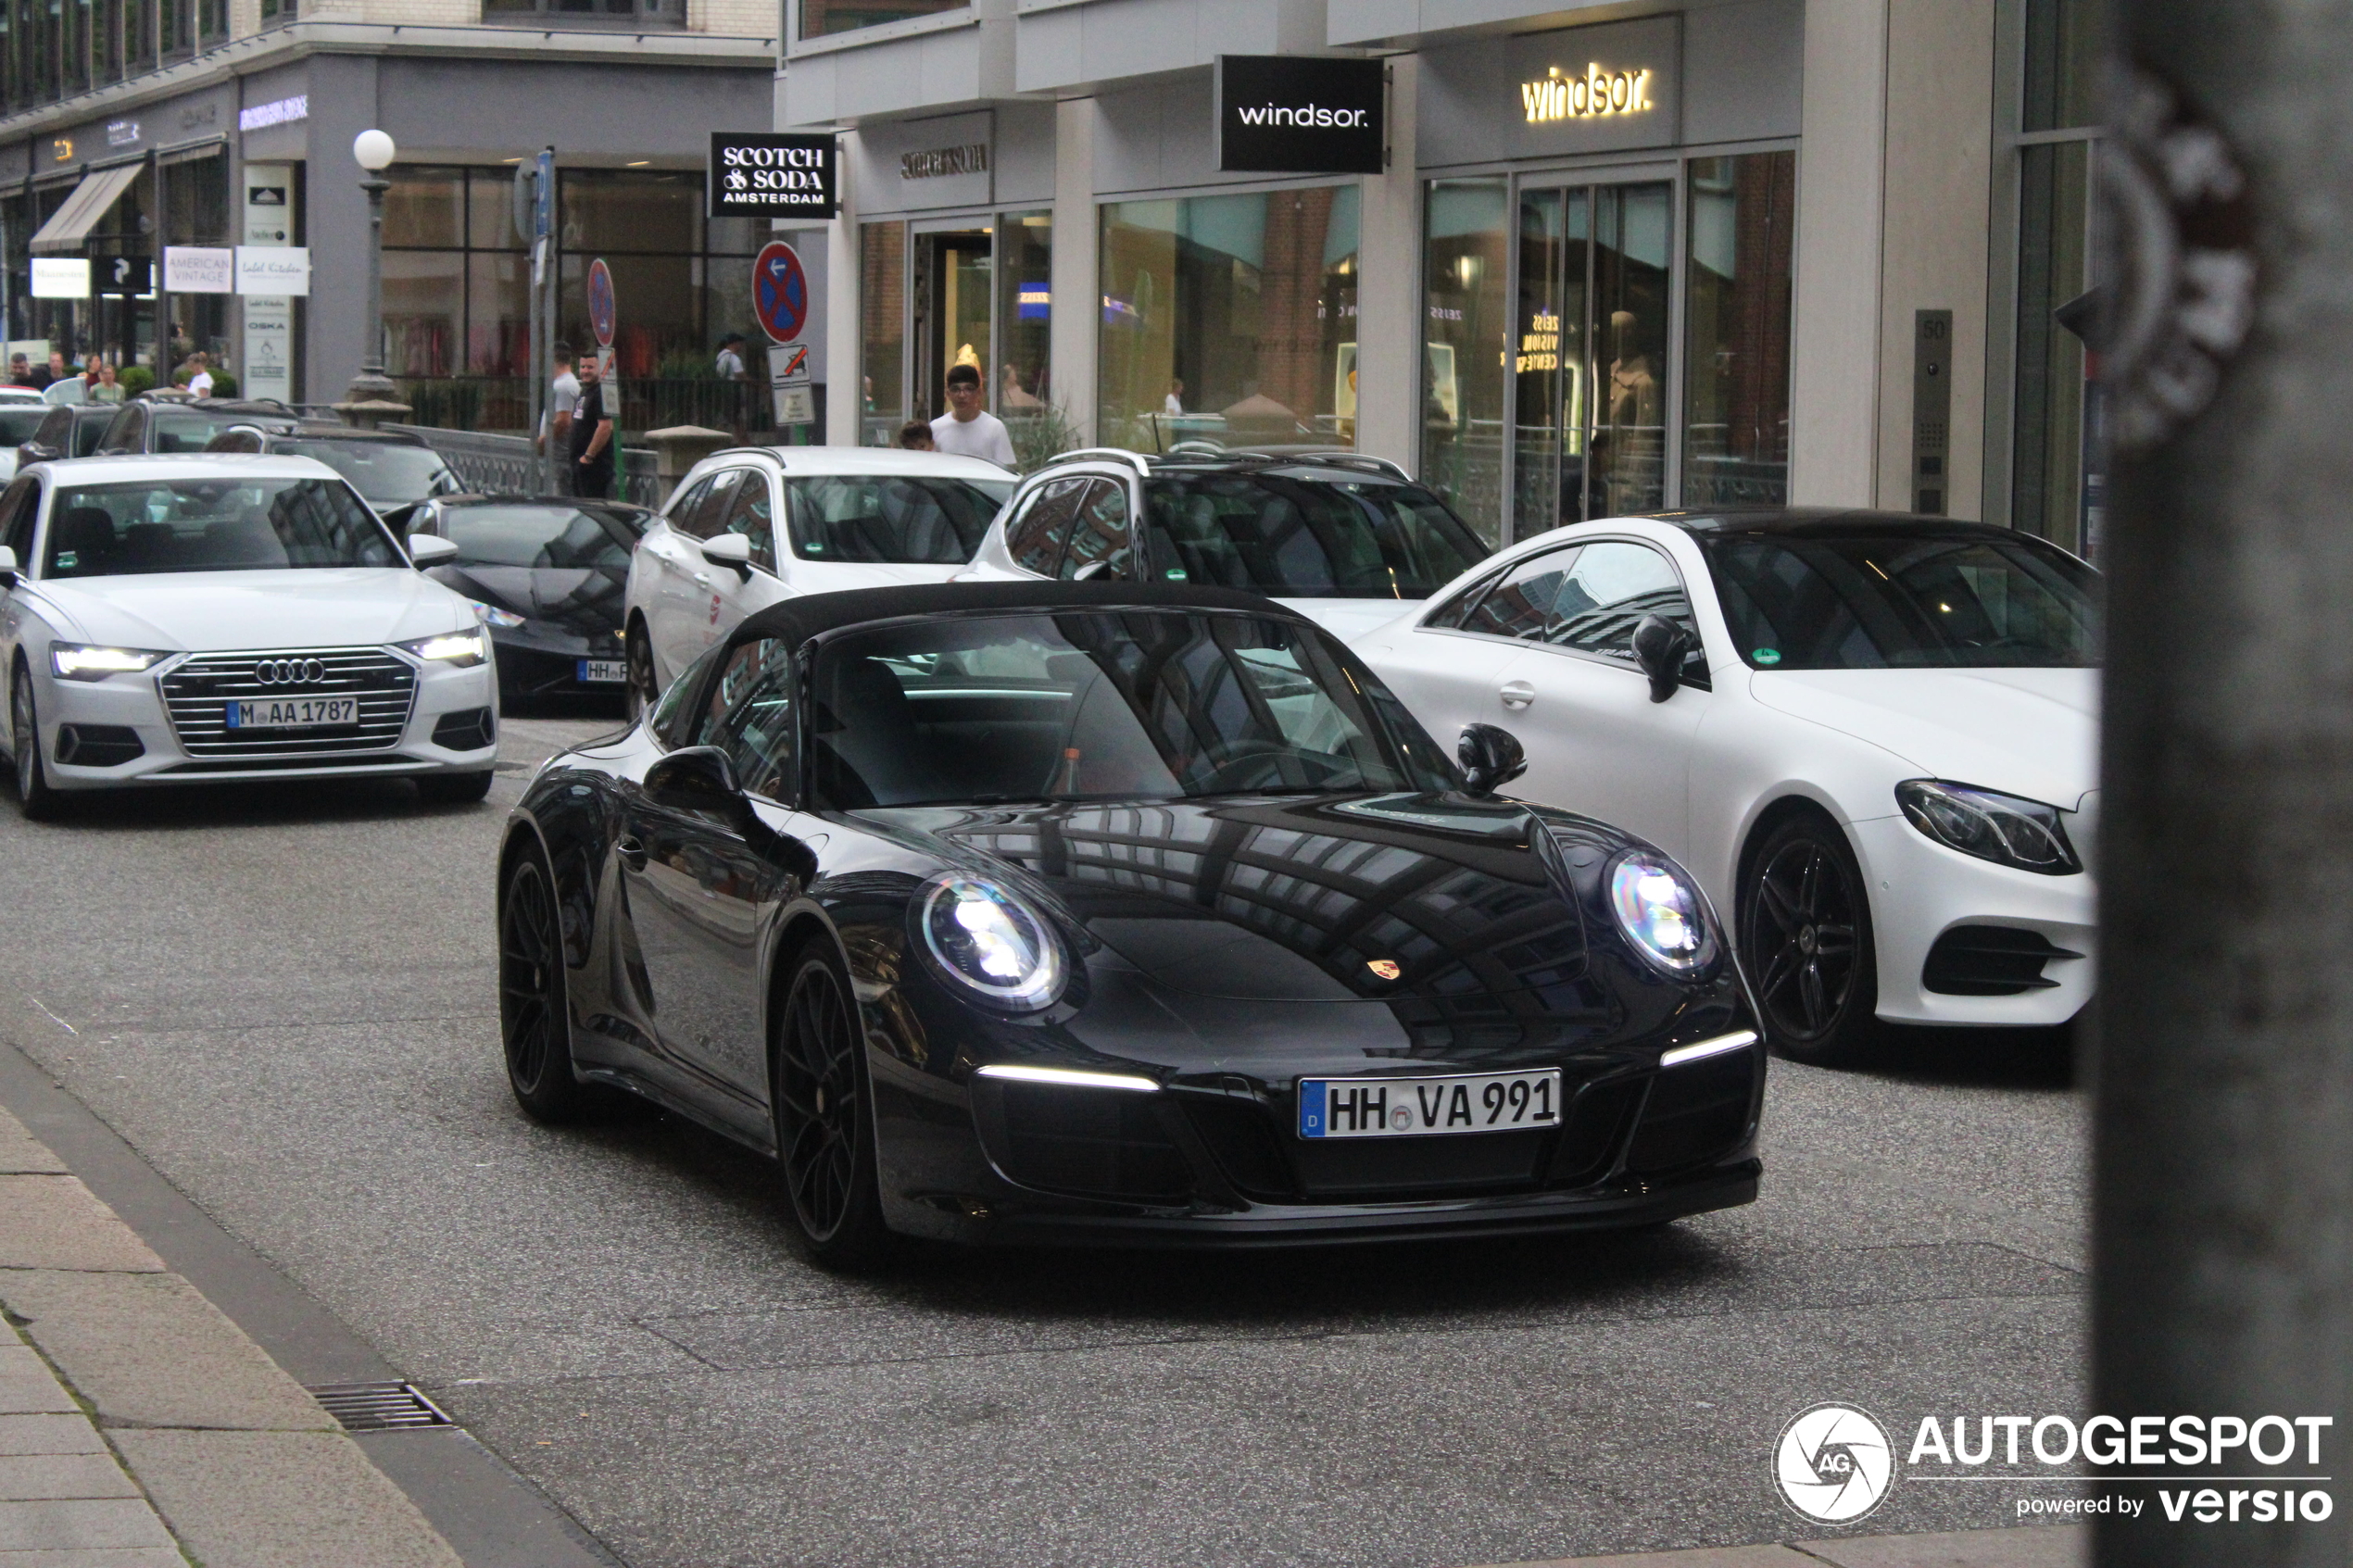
129,1406
2057,1546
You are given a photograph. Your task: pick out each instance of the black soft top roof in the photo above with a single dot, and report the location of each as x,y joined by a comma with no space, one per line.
797,621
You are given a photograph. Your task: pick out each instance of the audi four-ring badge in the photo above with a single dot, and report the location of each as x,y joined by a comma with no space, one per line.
225,616
1110,912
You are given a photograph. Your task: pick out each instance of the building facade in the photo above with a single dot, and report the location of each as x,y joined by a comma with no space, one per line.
1688,255
242,114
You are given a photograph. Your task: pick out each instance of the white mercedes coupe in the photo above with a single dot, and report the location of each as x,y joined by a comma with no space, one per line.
200,619
1872,737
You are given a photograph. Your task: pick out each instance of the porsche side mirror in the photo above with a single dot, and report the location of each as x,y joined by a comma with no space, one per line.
729,549
431,549
7,567
697,779
1660,647
1491,758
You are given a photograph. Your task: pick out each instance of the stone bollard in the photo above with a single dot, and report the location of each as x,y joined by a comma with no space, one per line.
679,448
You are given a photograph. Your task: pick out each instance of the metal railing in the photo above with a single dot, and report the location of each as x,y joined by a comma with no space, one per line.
503,403
504,464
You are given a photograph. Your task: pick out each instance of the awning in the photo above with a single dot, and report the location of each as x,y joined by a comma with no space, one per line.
64,234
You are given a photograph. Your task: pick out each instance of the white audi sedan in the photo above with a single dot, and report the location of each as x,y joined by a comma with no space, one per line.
194,620
751,525
1872,737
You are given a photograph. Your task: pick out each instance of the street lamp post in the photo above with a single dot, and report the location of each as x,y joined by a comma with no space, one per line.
373,151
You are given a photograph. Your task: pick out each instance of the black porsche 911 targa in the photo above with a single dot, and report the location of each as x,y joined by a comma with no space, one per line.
1098,912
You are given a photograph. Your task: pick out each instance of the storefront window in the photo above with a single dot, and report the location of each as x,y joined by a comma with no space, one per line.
1464,320
1024,312
819,18
882,349
1737,330
2047,491
456,307
2063,52
1230,318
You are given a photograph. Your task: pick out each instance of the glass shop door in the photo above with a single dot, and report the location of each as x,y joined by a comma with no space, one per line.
1592,351
952,306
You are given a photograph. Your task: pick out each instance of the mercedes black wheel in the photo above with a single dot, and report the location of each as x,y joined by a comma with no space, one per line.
534,1020
1806,937
37,798
824,1116
638,652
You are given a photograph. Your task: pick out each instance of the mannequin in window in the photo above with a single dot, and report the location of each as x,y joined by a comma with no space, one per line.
1628,466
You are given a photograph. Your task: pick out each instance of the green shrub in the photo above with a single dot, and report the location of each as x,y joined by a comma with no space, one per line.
135,379
224,384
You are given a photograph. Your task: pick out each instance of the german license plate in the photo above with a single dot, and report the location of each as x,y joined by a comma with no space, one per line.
603,671
1420,1108
294,713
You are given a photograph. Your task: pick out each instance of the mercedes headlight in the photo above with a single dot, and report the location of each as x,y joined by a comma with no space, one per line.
79,661
2000,828
458,649
491,615
1661,911
991,942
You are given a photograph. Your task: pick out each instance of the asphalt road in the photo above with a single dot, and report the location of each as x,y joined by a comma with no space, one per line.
285,1001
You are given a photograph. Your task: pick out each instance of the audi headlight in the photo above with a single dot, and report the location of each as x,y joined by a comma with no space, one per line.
77,662
2000,828
1662,913
458,649
991,942
491,615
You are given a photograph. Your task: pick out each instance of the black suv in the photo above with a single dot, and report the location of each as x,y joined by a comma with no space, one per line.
149,425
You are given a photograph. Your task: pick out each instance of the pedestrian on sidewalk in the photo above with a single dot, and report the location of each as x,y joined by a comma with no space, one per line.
106,388
967,429
592,437
199,374
563,395
916,437
731,357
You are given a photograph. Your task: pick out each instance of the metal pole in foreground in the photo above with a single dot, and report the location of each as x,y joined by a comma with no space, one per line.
2223,1164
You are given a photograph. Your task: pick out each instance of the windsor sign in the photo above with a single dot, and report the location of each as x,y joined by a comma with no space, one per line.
1291,113
764,174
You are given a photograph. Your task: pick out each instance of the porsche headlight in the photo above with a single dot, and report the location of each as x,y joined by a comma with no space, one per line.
460,649
2000,828
1662,913
79,661
491,615
990,941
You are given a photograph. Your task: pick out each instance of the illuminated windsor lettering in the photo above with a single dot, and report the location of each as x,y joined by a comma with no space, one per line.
1593,95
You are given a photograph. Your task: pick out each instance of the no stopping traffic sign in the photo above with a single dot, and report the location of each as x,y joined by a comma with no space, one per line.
600,302
779,291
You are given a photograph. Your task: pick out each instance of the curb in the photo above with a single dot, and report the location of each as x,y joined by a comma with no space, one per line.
131,1405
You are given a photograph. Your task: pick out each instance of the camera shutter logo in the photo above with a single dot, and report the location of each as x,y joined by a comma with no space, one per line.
1834,1463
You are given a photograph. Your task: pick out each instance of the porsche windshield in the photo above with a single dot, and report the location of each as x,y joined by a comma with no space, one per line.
1298,537
388,473
212,525
1904,601
1103,705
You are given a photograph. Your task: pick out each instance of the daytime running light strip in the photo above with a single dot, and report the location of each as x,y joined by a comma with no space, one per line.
1071,1078
1739,1040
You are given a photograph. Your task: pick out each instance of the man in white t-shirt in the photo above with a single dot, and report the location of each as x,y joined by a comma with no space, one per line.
967,429
564,396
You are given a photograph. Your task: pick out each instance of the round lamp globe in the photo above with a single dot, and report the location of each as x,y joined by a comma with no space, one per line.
373,150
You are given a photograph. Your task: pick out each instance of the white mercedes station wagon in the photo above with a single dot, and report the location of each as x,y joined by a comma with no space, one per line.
200,619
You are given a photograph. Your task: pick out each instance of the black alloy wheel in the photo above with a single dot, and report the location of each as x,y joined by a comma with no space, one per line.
533,1023
825,1125
638,652
35,797
1805,938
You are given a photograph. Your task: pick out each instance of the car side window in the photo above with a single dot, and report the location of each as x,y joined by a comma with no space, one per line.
1102,538
1519,602
676,719
750,716
710,514
682,509
753,514
19,506
56,432
1035,539
126,432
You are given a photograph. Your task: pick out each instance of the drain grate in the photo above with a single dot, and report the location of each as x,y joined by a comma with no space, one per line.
379,1407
